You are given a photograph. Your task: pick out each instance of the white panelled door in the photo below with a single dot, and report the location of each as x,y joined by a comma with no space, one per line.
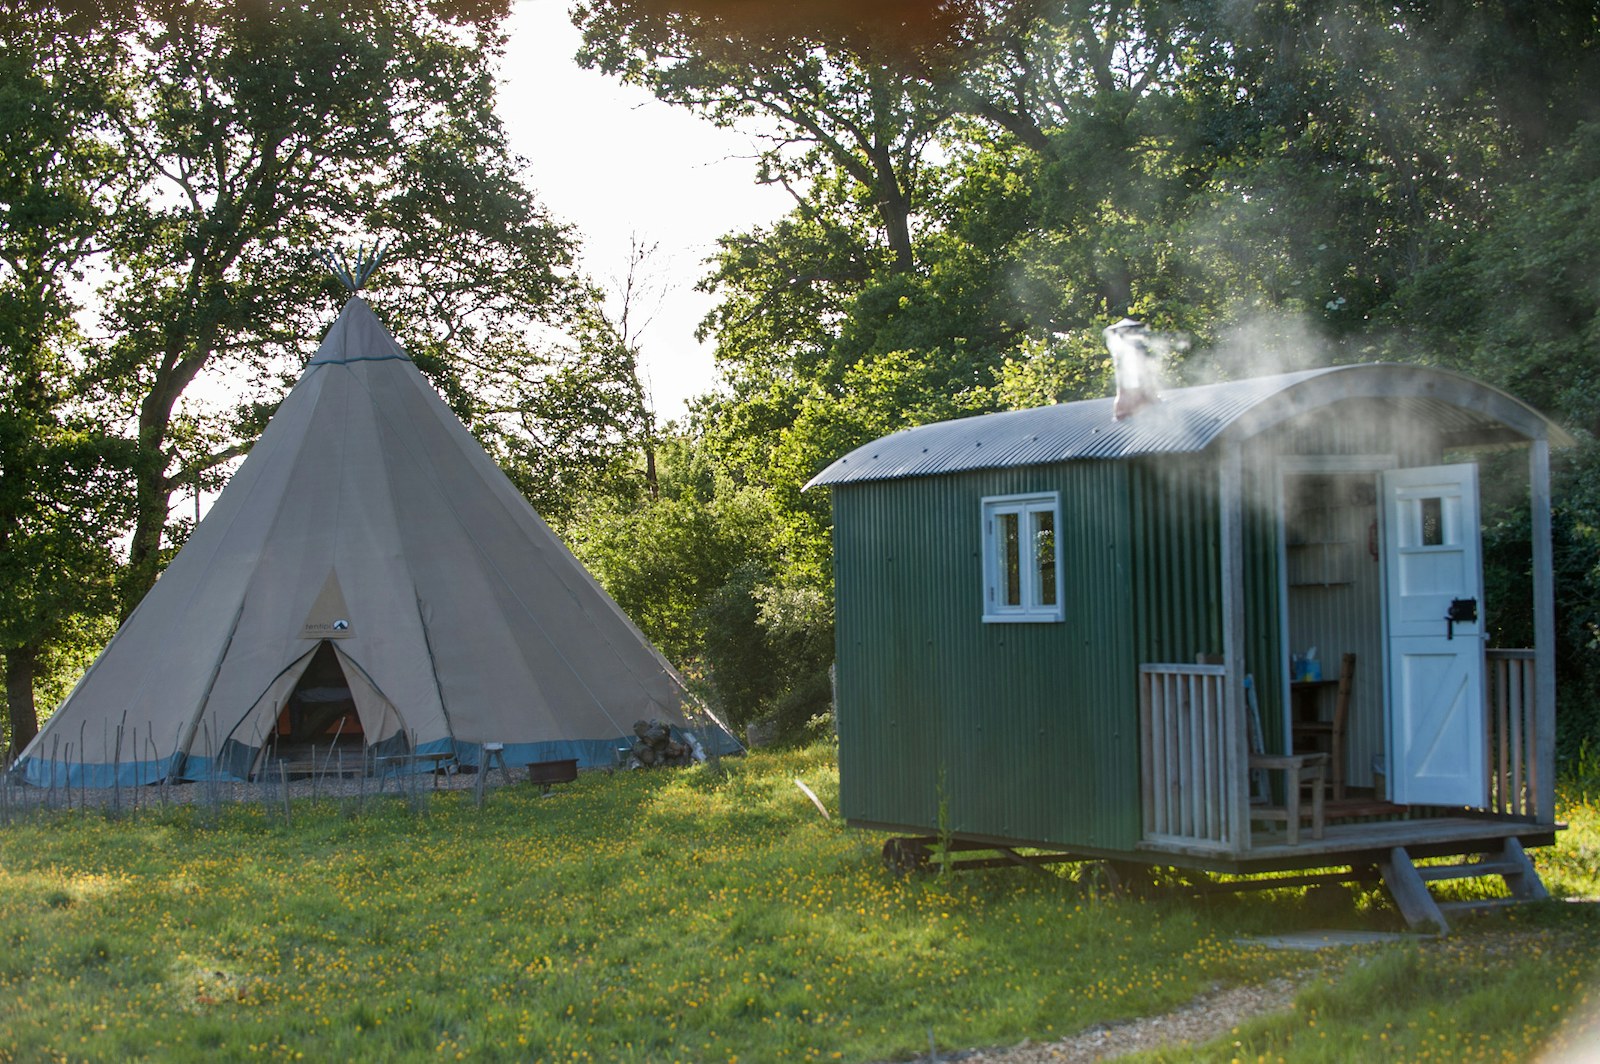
1433,589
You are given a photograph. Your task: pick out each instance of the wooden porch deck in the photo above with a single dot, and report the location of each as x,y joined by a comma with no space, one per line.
1356,843
1196,756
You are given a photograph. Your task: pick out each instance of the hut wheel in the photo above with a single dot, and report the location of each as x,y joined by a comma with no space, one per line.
904,857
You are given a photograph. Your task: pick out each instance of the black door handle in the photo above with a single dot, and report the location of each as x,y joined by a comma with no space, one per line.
1461,611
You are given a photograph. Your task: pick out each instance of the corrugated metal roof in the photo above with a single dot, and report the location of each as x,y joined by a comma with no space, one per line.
1186,420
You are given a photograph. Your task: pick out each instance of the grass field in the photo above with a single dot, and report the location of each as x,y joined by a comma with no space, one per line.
695,915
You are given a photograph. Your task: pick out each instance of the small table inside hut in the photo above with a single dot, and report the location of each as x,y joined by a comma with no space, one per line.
1305,696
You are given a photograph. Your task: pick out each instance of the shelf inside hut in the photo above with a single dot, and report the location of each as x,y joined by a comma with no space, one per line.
1318,555
1322,564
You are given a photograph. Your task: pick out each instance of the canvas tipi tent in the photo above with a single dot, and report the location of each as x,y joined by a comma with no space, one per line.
369,574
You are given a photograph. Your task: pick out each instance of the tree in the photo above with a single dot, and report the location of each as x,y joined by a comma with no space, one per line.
58,461
580,426
1518,305
1324,172
668,559
827,101
632,318
271,130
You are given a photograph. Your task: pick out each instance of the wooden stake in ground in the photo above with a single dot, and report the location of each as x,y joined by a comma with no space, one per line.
283,776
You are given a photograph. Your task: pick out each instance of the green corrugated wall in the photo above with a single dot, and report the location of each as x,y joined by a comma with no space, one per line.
1026,732
1265,656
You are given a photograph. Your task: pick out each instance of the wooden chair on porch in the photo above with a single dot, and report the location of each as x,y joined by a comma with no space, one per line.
1327,736
1301,772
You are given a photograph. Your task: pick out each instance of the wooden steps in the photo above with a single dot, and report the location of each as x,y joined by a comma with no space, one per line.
1473,908
1408,884
1469,870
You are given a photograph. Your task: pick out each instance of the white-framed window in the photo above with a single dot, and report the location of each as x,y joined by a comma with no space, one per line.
1021,558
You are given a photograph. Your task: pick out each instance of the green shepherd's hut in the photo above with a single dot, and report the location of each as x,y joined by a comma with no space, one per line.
1241,629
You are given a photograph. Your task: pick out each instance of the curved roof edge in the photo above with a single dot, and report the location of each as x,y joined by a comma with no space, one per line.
1185,421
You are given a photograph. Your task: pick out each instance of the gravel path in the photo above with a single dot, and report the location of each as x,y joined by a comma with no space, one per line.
1207,1017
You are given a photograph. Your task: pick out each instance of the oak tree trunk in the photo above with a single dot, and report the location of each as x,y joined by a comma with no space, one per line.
21,664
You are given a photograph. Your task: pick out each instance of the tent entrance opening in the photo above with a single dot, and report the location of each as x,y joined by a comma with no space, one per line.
320,712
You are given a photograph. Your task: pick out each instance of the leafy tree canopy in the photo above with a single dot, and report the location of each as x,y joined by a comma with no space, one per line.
59,460
976,199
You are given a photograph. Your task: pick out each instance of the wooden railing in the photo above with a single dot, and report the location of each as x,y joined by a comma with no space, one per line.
1192,760
1513,762
1190,771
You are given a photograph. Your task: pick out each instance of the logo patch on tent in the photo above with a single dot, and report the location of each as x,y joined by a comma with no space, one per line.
329,617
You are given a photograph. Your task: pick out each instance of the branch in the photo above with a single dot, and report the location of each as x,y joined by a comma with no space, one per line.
1019,125
189,474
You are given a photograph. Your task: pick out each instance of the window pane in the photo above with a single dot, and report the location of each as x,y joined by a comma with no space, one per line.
1432,523
1010,559
1044,553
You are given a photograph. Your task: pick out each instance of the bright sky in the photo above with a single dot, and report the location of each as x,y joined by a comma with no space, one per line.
619,164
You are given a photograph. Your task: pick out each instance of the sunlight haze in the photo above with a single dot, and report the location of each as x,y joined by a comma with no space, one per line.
617,163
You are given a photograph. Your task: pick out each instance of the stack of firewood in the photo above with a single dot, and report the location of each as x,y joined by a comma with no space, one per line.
655,747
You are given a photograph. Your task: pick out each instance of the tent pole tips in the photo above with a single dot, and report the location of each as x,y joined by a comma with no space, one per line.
353,273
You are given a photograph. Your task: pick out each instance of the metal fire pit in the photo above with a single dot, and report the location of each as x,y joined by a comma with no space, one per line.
548,773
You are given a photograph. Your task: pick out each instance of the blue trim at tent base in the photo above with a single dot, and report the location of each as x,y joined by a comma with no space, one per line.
41,772
589,753
233,764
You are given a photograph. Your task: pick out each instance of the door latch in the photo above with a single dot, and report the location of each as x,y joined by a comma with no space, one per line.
1462,611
